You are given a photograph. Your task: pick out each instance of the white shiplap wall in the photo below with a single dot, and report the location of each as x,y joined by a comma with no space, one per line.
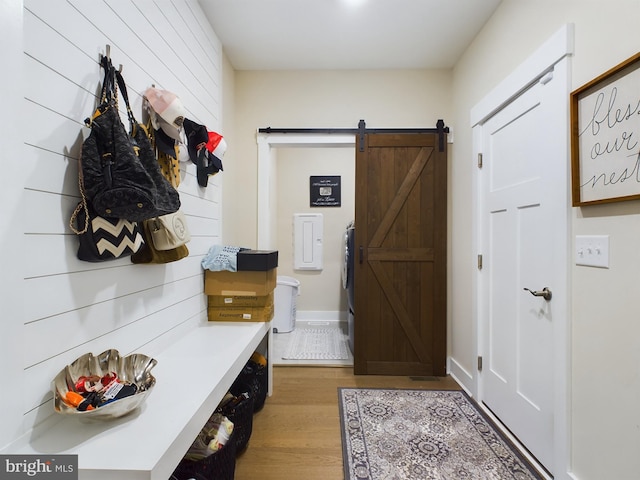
72,307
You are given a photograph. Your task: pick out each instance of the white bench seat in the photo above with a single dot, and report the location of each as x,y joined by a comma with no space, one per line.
192,375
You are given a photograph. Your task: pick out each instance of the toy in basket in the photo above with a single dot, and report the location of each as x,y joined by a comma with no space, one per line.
238,407
213,453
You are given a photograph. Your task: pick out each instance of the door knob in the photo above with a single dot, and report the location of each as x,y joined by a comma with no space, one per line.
544,293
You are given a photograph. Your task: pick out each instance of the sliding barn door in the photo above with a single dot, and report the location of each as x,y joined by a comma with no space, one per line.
400,271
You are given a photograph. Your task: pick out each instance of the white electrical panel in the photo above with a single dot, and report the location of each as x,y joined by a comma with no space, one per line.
307,241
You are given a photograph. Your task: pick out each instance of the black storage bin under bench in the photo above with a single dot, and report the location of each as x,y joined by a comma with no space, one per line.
256,376
240,414
220,465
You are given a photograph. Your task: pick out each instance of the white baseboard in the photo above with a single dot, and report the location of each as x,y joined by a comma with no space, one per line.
462,376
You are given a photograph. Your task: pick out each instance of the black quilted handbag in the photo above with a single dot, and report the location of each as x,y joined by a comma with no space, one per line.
122,177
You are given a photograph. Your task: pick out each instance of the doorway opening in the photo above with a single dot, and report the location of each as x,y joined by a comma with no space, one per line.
285,164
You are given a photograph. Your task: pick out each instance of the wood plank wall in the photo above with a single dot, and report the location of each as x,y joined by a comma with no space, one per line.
73,307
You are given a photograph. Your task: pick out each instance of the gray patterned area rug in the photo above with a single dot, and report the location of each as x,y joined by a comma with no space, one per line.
317,344
423,435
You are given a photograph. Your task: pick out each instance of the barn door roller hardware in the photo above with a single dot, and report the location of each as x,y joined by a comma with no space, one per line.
362,130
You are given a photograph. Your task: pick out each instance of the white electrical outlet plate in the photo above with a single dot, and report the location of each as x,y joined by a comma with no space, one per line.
592,250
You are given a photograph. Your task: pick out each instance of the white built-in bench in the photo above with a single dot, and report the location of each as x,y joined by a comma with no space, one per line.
192,375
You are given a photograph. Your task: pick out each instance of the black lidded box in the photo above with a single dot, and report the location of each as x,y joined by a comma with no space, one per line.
257,260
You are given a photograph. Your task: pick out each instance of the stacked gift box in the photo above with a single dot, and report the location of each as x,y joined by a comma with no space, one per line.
246,295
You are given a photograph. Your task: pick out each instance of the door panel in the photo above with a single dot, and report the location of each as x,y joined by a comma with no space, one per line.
518,218
400,274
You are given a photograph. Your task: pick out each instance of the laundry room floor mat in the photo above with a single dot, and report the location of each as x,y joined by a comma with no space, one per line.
317,344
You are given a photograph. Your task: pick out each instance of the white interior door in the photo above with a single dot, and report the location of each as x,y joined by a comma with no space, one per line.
523,224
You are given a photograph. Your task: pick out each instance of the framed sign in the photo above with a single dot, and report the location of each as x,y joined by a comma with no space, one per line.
605,136
324,191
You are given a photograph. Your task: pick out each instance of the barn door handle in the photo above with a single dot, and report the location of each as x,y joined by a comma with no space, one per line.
361,254
544,293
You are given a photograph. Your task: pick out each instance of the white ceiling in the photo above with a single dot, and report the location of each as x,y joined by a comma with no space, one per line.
346,34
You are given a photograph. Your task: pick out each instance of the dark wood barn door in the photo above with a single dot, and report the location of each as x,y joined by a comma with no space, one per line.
400,268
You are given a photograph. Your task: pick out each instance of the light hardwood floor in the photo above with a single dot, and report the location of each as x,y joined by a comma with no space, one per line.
296,435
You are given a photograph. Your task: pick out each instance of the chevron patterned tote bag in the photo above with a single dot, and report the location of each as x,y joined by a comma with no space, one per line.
100,238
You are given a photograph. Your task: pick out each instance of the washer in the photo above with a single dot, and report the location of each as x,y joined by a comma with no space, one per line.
348,277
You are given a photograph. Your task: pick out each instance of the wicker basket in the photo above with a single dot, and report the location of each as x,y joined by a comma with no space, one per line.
241,415
220,465
257,377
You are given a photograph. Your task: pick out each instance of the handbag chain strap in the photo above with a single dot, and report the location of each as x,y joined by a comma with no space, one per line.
81,206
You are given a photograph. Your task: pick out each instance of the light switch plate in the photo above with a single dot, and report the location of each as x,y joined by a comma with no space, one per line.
592,250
